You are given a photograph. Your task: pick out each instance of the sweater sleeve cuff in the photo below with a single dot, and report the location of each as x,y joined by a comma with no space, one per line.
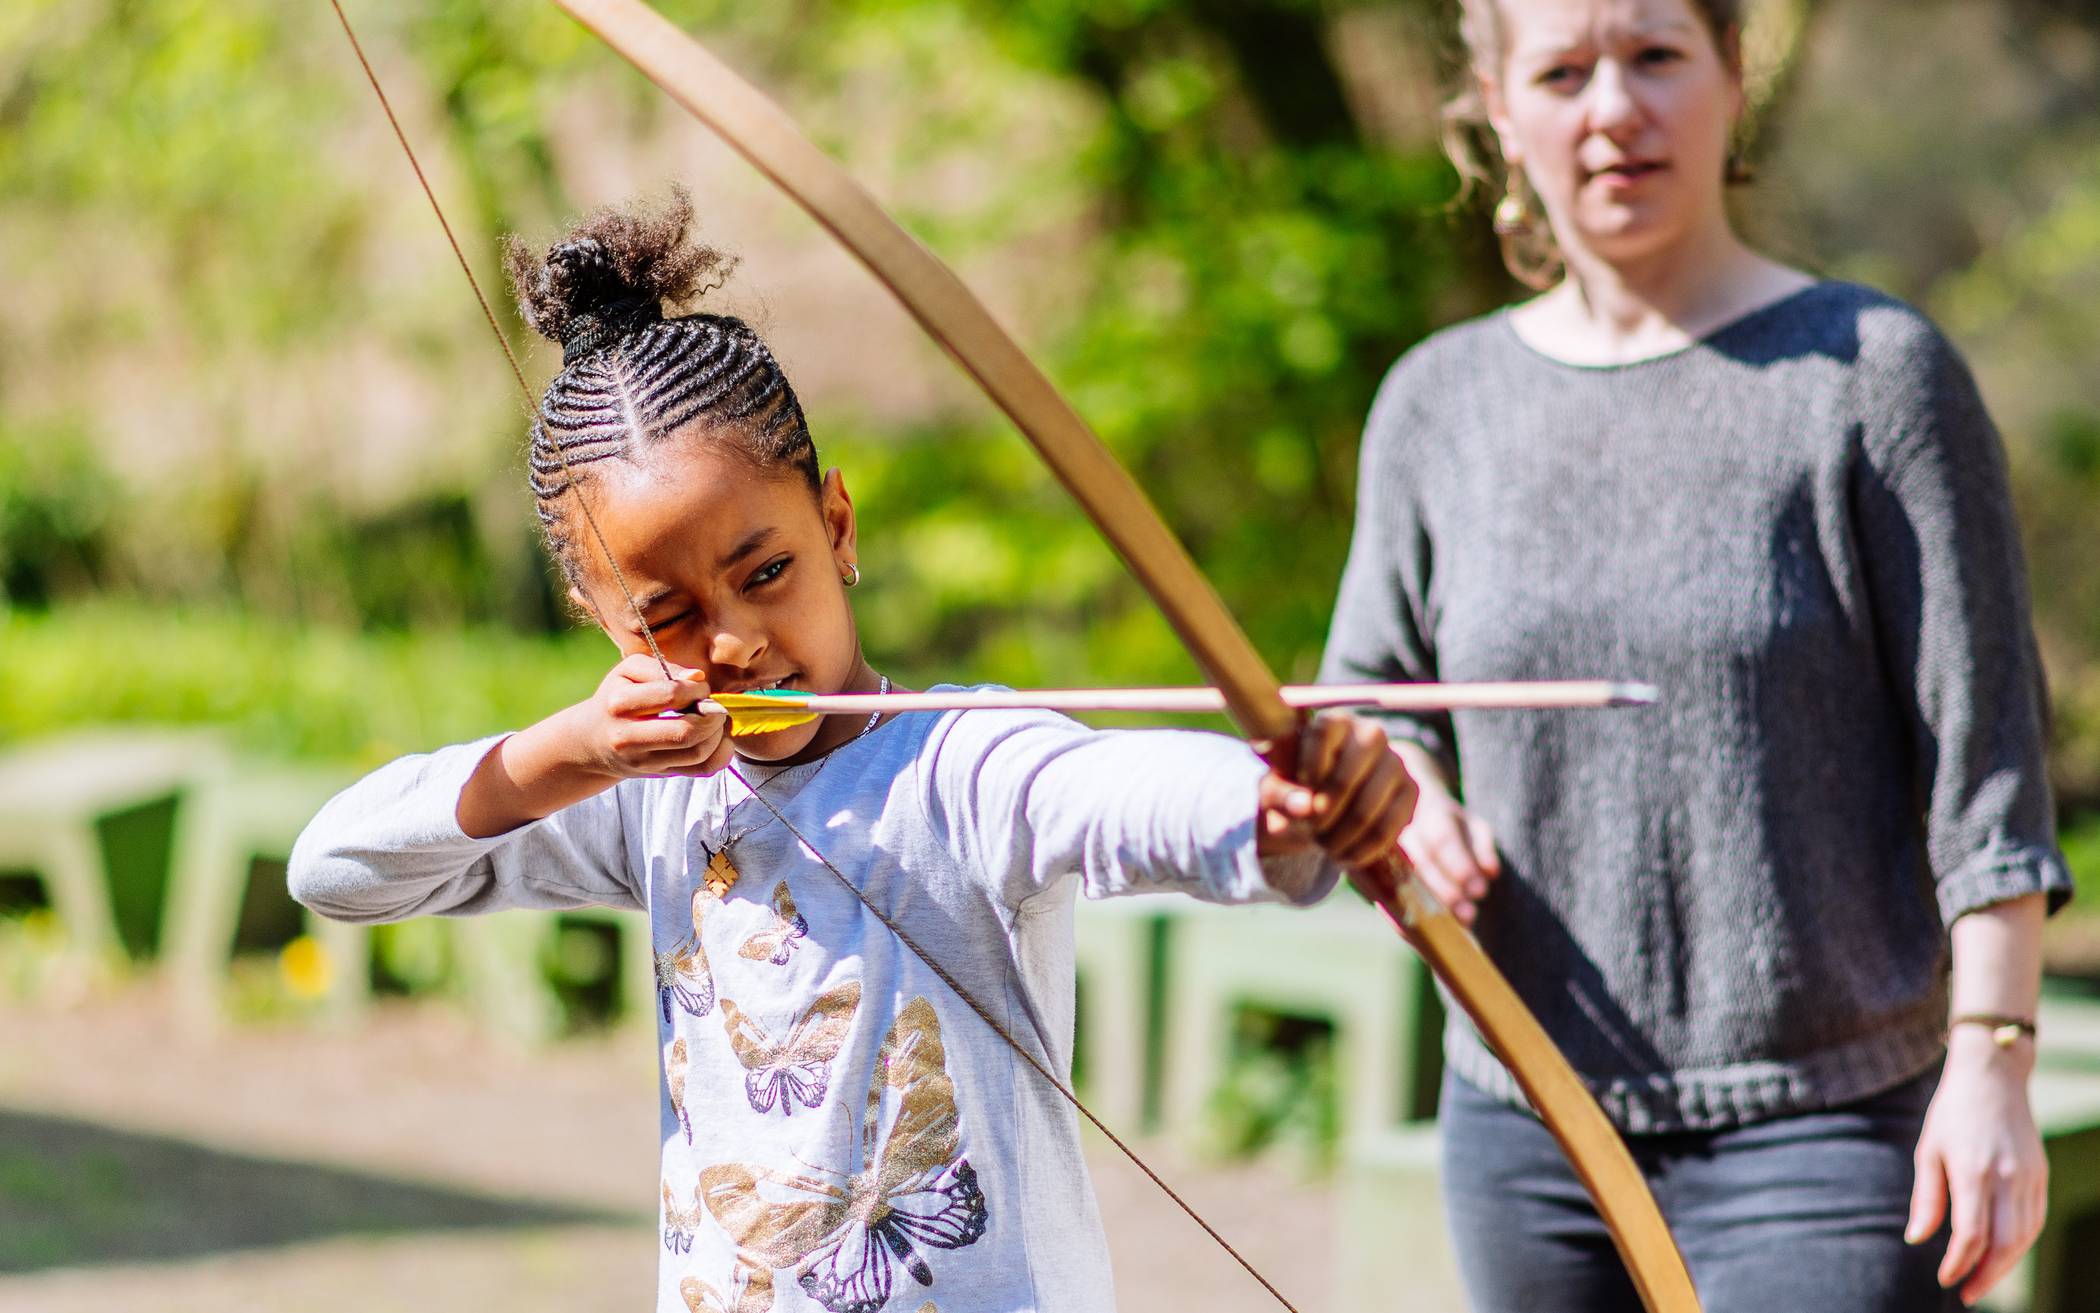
2004,873
434,802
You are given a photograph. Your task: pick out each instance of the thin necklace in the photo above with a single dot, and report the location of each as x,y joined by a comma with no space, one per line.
721,871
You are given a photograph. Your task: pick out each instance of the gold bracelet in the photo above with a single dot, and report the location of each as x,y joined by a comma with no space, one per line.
2005,1030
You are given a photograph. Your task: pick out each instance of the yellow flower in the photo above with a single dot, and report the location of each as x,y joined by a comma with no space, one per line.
306,967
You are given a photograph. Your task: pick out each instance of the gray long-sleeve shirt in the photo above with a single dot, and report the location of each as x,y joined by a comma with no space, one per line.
1732,905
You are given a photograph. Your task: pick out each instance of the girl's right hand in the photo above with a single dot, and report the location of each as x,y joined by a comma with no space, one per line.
1451,849
619,732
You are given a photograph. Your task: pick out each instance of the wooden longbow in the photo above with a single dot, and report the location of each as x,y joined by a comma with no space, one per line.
960,323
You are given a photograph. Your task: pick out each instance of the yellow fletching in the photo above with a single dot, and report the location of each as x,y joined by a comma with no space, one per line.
761,713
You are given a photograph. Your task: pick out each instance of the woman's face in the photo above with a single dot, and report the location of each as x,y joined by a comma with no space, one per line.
1619,112
738,572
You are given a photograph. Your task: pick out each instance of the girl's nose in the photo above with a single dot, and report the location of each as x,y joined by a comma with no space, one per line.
734,646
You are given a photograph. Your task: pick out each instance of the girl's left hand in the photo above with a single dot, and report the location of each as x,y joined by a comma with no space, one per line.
1980,1153
1353,795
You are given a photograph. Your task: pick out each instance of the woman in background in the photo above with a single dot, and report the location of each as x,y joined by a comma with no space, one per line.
1787,923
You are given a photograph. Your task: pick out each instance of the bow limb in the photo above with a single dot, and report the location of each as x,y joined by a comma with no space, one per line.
955,318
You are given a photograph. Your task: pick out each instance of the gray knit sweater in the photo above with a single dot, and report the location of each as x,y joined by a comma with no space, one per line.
1730,906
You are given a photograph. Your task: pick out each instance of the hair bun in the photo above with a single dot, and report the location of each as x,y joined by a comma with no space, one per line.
603,307
611,276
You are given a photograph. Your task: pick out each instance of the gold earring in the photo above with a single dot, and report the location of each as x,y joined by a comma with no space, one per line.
1512,212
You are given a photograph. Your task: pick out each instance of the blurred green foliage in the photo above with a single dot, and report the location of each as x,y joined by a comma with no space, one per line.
323,693
217,259
1250,266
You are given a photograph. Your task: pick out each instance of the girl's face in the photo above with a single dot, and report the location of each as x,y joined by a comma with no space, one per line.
739,572
1619,112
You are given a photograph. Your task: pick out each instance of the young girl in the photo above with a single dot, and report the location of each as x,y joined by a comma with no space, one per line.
863,928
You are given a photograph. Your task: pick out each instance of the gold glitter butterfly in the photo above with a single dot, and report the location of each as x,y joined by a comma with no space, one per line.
682,974
676,1065
777,941
845,1235
797,1069
751,1292
680,1223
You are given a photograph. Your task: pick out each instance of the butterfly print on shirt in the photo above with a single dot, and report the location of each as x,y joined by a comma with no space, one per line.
797,1069
845,1236
682,975
680,1223
751,1291
777,941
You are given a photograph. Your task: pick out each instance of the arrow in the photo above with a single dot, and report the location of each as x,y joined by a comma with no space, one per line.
764,711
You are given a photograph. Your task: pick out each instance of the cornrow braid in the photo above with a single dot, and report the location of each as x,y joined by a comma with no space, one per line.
632,378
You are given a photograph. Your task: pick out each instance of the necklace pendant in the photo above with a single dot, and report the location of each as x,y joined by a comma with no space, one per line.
721,873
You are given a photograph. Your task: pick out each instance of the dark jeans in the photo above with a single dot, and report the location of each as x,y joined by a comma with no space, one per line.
1803,1214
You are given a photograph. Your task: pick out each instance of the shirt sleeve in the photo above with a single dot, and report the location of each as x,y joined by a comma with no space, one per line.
1031,798
1383,630
390,847
1949,592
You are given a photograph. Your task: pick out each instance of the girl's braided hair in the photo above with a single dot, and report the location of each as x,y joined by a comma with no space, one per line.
630,377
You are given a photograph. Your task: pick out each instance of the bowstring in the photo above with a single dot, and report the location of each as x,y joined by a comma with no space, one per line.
516,371
999,1028
969,999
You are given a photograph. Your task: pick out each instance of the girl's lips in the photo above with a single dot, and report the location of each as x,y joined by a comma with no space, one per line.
765,686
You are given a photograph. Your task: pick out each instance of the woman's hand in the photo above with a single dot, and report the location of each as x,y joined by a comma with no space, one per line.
1352,796
617,733
1451,849
1979,1163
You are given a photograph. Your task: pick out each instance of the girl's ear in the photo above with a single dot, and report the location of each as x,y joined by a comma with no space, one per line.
836,506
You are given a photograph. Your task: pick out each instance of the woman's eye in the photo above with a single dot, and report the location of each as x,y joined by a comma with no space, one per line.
1560,75
1658,55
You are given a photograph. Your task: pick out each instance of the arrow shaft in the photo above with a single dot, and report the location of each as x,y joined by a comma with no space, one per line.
1571,694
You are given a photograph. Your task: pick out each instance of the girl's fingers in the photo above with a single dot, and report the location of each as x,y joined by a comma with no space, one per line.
1367,832
1319,746
1359,757
1286,808
710,762
640,667
648,697
1328,773
652,743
